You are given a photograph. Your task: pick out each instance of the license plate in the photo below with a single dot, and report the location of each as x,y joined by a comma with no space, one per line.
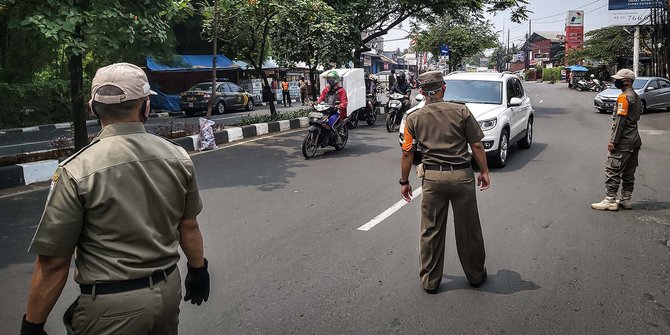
315,115
190,104
608,104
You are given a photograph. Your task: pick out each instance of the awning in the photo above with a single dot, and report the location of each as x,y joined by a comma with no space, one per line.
190,63
577,68
267,65
387,60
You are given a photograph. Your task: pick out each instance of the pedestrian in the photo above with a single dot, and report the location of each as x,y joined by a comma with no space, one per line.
286,97
303,90
624,145
124,203
444,130
391,80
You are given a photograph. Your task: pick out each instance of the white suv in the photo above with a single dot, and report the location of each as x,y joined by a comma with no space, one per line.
499,103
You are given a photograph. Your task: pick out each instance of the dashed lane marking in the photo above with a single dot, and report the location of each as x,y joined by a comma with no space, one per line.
388,212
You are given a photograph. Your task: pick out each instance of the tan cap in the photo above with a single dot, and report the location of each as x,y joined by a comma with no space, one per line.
128,78
624,74
431,80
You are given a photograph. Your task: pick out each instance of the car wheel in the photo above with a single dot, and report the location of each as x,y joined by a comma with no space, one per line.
644,107
250,105
526,142
220,107
500,158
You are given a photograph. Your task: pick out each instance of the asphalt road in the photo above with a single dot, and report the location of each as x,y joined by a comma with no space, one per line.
286,255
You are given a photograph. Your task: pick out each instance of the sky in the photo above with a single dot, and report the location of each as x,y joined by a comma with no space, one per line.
548,15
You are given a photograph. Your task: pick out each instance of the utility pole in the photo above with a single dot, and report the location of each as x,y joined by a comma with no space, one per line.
507,52
636,51
215,34
530,49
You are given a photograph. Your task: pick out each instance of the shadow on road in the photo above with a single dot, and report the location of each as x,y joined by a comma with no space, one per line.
517,158
652,205
548,112
503,282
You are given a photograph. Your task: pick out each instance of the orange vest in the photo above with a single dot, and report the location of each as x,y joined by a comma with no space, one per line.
284,85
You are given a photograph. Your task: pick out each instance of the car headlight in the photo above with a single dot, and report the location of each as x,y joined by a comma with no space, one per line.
488,124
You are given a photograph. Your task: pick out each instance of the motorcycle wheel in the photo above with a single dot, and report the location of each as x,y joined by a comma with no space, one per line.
390,122
344,135
353,120
310,145
371,119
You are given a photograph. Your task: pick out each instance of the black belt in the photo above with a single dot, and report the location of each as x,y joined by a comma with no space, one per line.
127,285
447,167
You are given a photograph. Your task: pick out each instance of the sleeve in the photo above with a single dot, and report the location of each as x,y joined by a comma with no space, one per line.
58,231
342,95
408,90
408,139
193,203
323,95
619,118
473,132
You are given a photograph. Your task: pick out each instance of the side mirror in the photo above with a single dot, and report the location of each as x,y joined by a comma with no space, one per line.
419,97
650,88
514,102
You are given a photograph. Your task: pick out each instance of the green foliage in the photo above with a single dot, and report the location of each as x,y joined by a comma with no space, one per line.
33,104
311,31
552,75
465,36
249,119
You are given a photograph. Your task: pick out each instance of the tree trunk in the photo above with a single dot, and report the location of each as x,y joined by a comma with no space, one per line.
77,98
4,42
264,78
312,79
357,58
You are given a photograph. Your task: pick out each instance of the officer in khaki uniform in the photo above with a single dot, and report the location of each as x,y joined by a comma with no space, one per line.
124,204
624,145
443,131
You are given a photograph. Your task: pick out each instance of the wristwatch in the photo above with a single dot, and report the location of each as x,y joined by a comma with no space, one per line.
403,183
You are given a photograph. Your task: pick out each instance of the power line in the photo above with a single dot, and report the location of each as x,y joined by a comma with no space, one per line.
522,25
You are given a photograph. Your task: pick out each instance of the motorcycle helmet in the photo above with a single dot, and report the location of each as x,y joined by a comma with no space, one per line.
401,77
333,78
593,76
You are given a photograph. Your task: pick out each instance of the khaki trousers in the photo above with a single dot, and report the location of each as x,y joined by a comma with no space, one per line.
620,171
148,311
440,188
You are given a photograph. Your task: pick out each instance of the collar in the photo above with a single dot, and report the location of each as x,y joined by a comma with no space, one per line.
122,129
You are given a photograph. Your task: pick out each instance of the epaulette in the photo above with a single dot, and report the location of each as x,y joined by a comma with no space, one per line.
67,160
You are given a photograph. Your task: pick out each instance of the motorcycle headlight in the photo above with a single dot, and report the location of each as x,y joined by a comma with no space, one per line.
394,105
488,124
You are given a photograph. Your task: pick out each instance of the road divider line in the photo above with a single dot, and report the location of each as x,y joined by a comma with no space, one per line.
389,211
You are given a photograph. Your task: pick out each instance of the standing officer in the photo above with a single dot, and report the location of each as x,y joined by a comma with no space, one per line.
124,204
624,145
443,130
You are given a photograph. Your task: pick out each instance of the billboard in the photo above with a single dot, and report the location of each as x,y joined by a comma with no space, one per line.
574,30
630,12
575,18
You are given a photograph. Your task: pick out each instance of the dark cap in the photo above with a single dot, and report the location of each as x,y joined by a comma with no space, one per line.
431,80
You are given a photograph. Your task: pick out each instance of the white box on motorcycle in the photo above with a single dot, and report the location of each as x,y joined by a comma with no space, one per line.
353,83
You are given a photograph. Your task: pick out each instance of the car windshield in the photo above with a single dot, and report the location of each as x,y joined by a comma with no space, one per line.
474,91
202,87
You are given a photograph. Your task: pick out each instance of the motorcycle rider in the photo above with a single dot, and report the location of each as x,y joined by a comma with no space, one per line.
402,86
331,93
370,89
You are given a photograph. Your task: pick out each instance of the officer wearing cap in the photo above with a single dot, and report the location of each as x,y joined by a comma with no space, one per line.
443,131
123,204
624,145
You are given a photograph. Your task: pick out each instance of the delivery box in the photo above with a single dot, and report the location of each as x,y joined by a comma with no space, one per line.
353,83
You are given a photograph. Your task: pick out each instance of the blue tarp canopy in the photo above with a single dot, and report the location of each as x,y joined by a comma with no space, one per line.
577,68
190,63
267,65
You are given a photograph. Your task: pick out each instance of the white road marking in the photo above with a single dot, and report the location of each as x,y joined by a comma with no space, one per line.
653,132
537,95
245,142
389,211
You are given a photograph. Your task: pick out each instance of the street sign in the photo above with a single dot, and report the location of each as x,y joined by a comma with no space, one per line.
630,13
444,50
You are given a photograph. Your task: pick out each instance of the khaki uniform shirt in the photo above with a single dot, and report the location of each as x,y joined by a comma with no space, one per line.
443,131
119,202
625,135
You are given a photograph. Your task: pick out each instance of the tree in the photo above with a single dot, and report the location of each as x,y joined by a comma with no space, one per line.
465,37
314,33
500,57
375,18
114,30
245,27
605,45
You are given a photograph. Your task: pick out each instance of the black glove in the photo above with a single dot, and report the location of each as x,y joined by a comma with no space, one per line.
29,328
197,285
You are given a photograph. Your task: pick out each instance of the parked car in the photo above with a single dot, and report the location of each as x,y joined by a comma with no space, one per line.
654,93
229,96
500,105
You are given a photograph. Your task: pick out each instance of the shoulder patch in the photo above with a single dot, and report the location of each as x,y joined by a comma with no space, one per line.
67,160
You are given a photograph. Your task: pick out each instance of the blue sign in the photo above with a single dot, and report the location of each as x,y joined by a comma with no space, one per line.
631,4
444,50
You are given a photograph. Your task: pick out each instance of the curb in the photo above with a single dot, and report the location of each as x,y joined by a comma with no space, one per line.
62,125
41,171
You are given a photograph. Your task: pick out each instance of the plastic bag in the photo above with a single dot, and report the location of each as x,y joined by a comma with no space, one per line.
206,137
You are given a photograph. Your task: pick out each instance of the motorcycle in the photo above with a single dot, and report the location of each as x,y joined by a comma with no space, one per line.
320,135
583,85
364,114
394,108
599,86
